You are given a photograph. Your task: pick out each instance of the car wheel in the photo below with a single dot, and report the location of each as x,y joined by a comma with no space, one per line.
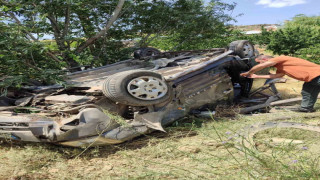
137,88
146,52
242,48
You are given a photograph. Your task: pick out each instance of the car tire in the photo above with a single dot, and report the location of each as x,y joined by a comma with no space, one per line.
137,88
234,68
145,52
242,48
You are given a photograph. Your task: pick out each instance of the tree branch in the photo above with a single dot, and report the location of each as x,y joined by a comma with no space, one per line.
91,40
66,21
32,66
57,32
53,57
143,40
19,22
54,24
146,41
11,15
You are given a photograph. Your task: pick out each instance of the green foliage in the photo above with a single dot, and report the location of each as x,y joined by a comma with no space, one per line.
311,53
194,26
168,25
292,38
299,37
263,38
22,60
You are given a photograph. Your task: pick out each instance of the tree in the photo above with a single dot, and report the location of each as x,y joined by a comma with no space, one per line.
95,32
296,37
24,61
191,25
54,17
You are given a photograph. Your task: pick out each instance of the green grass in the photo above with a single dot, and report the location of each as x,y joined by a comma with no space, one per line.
191,149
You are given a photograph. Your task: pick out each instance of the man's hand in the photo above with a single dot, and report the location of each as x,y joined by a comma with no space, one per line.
253,76
249,75
246,74
258,68
269,76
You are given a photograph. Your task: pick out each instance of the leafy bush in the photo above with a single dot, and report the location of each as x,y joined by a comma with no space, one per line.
299,37
94,33
311,53
292,38
22,60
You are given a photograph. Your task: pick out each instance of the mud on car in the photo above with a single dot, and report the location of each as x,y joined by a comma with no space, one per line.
120,101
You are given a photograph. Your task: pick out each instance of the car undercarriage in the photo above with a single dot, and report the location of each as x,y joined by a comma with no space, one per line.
120,101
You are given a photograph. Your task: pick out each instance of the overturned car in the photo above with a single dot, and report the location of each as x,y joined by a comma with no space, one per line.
117,102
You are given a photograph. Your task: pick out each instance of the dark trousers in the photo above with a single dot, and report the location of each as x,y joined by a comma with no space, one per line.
310,92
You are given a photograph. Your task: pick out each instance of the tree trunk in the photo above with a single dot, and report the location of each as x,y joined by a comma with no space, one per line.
60,39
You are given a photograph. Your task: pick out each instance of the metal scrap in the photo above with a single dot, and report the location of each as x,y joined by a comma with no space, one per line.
23,101
245,138
65,98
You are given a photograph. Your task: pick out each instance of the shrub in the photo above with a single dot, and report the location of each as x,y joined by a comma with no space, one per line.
22,60
299,37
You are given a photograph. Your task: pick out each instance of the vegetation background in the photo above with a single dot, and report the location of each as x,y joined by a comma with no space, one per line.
96,33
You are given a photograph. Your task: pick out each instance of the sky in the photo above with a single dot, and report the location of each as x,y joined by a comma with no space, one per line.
272,11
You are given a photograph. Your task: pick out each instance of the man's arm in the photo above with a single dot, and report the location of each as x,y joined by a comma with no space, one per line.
258,68
269,76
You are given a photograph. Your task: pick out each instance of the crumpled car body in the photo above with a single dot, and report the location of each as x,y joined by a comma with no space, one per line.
117,102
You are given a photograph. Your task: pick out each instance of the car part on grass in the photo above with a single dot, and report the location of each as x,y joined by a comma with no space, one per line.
205,114
120,101
259,106
271,101
245,138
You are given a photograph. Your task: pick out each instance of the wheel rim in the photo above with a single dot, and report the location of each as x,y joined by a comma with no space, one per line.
248,50
147,88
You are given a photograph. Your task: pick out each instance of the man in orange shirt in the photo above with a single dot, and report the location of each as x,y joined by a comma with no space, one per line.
296,68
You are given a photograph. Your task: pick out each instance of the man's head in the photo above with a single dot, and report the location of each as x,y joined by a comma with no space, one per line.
263,58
